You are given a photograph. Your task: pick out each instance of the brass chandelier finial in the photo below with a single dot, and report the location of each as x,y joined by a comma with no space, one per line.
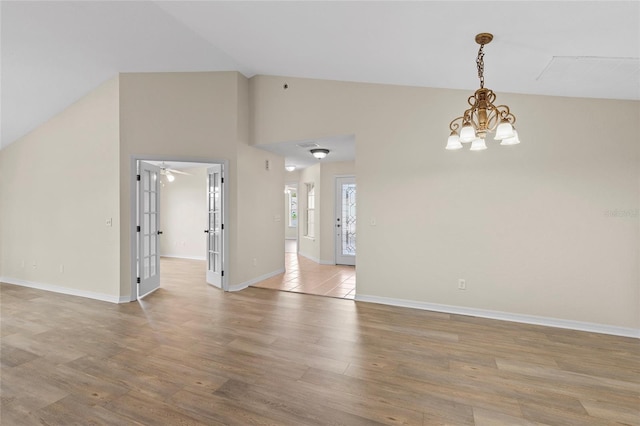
483,116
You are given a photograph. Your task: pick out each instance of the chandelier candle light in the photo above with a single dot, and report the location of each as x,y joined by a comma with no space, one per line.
483,116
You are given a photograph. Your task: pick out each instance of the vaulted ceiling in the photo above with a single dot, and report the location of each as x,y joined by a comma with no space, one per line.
53,53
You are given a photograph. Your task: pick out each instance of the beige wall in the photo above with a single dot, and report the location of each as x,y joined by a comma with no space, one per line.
58,182
548,228
58,186
204,117
183,215
260,250
179,116
527,226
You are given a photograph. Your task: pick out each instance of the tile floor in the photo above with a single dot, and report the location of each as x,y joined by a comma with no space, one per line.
306,276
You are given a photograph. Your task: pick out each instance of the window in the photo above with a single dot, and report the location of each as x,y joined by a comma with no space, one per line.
311,212
293,208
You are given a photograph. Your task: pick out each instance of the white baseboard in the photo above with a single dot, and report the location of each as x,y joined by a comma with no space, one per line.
184,257
66,290
315,259
242,286
504,316
303,254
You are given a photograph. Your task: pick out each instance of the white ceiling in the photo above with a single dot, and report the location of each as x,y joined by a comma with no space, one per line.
297,153
55,52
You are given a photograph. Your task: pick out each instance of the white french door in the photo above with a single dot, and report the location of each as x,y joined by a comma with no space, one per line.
148,229
345,220
215,227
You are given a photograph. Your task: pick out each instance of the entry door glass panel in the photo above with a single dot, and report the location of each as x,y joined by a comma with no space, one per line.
345,221
348,219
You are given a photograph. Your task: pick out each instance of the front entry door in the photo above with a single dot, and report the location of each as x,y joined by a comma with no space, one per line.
346,220
215,227
149,232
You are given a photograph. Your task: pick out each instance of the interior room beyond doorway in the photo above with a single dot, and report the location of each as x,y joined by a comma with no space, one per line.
306,276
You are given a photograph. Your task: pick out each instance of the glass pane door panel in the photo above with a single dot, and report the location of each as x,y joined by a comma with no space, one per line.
152,267
348,219
145,267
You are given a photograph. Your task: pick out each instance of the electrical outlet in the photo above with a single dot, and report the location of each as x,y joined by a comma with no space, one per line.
255,262
61,269
34,265
22,264
462,284
109,222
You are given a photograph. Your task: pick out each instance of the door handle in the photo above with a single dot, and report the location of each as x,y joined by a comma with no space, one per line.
206,231
159,232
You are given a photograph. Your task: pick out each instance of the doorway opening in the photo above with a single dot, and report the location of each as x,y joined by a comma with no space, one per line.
291,215
172,203
332,278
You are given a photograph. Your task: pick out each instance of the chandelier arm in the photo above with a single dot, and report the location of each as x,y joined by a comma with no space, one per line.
467,117
454,126
491,97
505,113
493,119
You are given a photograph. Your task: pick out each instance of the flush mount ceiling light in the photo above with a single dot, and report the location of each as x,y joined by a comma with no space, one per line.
319,153
289,168
483,116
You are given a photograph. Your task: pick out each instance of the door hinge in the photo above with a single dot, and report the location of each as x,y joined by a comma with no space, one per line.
138,228
222,226
138,280
221,180
222,273
137,177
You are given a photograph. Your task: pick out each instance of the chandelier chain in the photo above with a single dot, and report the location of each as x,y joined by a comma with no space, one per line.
480,64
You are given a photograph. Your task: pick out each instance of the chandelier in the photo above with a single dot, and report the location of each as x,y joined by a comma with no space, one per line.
483,116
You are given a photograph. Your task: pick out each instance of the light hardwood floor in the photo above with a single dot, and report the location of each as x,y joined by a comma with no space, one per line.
191,354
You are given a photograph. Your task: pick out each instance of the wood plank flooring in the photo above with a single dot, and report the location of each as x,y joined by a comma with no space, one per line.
190,354
306,276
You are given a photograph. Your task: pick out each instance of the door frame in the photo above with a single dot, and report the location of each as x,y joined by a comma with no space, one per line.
133,211
336,206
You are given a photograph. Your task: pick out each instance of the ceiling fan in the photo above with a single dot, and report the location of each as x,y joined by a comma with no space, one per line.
169,173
